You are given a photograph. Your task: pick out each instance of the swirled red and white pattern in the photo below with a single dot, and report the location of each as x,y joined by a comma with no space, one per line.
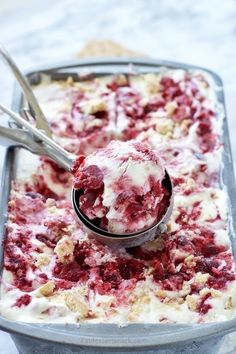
54,271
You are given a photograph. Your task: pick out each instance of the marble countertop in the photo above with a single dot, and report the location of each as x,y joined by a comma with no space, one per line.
197,32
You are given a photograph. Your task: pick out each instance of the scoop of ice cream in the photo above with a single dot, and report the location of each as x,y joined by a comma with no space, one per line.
122,190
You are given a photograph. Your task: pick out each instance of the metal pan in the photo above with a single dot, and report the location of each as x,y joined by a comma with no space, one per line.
100,338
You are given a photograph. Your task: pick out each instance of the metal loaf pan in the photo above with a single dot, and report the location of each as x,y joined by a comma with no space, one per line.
106,338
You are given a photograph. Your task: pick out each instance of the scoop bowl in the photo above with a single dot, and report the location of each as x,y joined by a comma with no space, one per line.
129,239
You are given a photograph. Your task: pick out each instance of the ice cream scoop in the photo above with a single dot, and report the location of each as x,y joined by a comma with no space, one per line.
122,190
127,179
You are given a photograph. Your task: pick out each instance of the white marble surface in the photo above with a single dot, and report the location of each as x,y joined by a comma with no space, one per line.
199,32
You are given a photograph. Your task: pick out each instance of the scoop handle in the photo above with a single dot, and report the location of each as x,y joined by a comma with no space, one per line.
41,122
50,147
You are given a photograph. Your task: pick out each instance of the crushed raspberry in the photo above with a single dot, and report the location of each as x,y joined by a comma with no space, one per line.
114,85
43,276
170,89
158,273
154,104
81,252
58,174
71,272
23,300
39,186
18,265
110,274
221,278
77,163
204,127
55,224
130,268
44,238
76,271
177,181
202,307
185,215
91,177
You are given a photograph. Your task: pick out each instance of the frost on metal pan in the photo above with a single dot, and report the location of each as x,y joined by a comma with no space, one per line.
55,272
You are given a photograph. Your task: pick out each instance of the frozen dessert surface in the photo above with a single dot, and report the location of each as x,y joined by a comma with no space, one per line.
121,186
54,271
